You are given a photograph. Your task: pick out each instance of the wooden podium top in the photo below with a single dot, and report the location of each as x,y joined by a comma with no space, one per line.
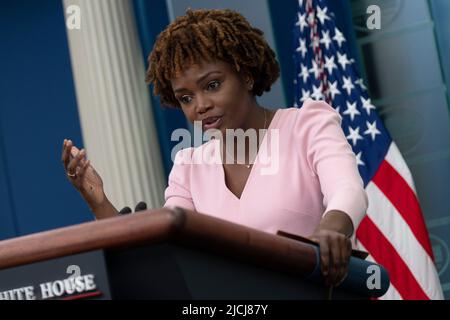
184,227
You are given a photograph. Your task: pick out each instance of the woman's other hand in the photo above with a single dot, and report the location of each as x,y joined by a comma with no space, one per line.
335,252
333,236
82,175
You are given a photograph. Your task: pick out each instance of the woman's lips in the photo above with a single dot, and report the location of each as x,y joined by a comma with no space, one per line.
214,125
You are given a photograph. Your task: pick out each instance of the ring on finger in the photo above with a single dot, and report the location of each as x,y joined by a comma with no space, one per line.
72,175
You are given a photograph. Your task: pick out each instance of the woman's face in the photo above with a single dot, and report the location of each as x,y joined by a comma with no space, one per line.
216,91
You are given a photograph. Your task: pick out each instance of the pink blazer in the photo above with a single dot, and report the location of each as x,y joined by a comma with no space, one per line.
313,171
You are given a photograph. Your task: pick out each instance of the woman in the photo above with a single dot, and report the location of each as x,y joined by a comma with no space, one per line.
212,64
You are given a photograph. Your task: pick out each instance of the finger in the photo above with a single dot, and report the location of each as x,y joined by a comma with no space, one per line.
75,152
325,259
336,262
345,255
81,169
63,152
71,169
80,174
347,259
65,157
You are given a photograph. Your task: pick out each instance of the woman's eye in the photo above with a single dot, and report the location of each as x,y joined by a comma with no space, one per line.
185,99
213,85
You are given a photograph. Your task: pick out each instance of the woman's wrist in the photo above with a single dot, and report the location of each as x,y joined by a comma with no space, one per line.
104,210
337,221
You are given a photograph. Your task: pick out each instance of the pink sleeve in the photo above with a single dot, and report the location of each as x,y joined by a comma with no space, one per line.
178,191
331,158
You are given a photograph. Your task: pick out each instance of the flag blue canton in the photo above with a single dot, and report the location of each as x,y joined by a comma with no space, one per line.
325,71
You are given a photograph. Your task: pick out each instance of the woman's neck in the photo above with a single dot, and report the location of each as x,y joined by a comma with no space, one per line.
251,135
254,117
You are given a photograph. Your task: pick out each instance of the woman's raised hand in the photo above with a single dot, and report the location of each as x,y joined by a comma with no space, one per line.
82,175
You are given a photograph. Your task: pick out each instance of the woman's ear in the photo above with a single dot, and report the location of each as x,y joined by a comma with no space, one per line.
248,81
250,85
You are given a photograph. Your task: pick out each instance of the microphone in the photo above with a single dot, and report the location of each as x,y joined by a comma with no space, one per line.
141,206
126,210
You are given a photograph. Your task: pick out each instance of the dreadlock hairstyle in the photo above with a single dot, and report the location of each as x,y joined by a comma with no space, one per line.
209,35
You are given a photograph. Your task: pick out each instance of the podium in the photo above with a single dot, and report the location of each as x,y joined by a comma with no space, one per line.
171,254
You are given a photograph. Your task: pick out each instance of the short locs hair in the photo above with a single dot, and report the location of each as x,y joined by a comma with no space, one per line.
208,35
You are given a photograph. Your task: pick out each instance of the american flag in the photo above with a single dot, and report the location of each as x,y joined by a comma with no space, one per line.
393,231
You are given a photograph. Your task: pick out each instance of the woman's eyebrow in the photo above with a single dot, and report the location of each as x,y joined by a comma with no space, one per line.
206,75
203,77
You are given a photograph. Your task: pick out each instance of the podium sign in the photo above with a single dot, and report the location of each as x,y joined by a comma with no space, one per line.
78,276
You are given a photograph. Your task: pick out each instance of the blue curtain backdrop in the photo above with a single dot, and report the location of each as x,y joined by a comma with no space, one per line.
37,111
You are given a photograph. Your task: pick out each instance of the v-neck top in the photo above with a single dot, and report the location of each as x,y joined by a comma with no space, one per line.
304,168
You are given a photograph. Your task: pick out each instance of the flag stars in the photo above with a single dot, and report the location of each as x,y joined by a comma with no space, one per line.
343,60
361,83
332,89
317,93
301,23
330,65
315,69
348,85
304,74
340,85
354,135
359,162
351,110
372,129
338,110
338,37
326,39
367,105
306,94
322,14
302,48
